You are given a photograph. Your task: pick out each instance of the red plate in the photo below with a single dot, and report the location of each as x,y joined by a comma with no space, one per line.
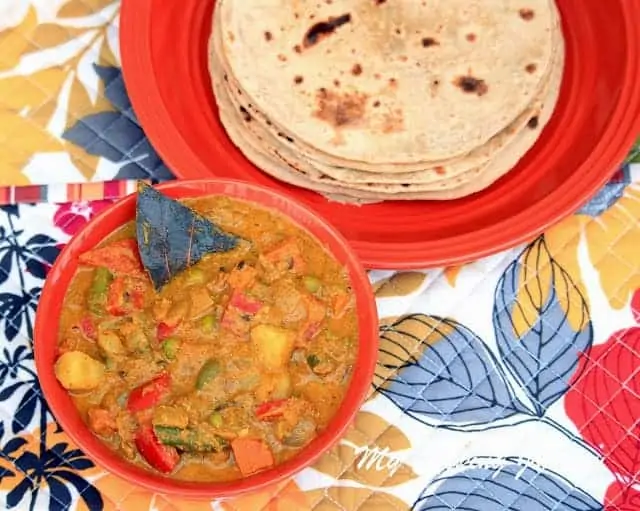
164,54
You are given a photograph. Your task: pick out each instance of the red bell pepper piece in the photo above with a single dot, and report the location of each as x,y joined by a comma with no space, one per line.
124,294
316,313
251,455
149,394
164,331
137,295
245,304
240,306
162,457
115,297
88,328
271,409
120,257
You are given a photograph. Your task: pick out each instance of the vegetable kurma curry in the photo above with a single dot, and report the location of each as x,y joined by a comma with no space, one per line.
213,358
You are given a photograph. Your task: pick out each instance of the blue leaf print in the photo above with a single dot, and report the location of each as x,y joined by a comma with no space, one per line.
13,445
15,496
117,135
115,91
59,494
488,484
11,210
85,489
59,456
443,374
26,409
6,263
39,253
12,309
542,325
7,392
609,194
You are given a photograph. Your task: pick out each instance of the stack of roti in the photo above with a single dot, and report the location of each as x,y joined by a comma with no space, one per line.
373,100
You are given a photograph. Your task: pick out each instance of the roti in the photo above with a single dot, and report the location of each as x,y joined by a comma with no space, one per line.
388,83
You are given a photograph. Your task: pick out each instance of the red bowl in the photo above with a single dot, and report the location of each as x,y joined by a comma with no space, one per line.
594,126
51,302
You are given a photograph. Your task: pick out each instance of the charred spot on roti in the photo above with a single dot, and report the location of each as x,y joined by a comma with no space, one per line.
471,37
471,85
406,185
286,137
226,78
340,109
297,48
398,31
231,36
282,58
245,114
298,80
531,68
336,82
526,14
440,171
356,70
376,104
393,83
427,42
324,29
268,36
379,2
533,123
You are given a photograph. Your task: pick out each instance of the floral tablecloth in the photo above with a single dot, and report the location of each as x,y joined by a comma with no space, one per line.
512,383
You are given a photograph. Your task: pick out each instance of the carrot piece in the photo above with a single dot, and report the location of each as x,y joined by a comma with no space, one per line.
340,304
288,251
251,455
101,421
120,257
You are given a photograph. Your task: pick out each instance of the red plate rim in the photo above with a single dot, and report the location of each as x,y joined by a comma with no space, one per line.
611,150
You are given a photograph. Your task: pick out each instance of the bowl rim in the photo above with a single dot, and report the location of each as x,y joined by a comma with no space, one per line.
57,397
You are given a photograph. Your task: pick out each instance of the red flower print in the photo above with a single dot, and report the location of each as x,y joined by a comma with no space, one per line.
604,403
74,216
621,497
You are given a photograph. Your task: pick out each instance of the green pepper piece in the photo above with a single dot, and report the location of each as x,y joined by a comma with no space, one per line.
209,371
208,323
216,420
122,399
98,292
189,440
170,347
196,276
313,360
312,284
